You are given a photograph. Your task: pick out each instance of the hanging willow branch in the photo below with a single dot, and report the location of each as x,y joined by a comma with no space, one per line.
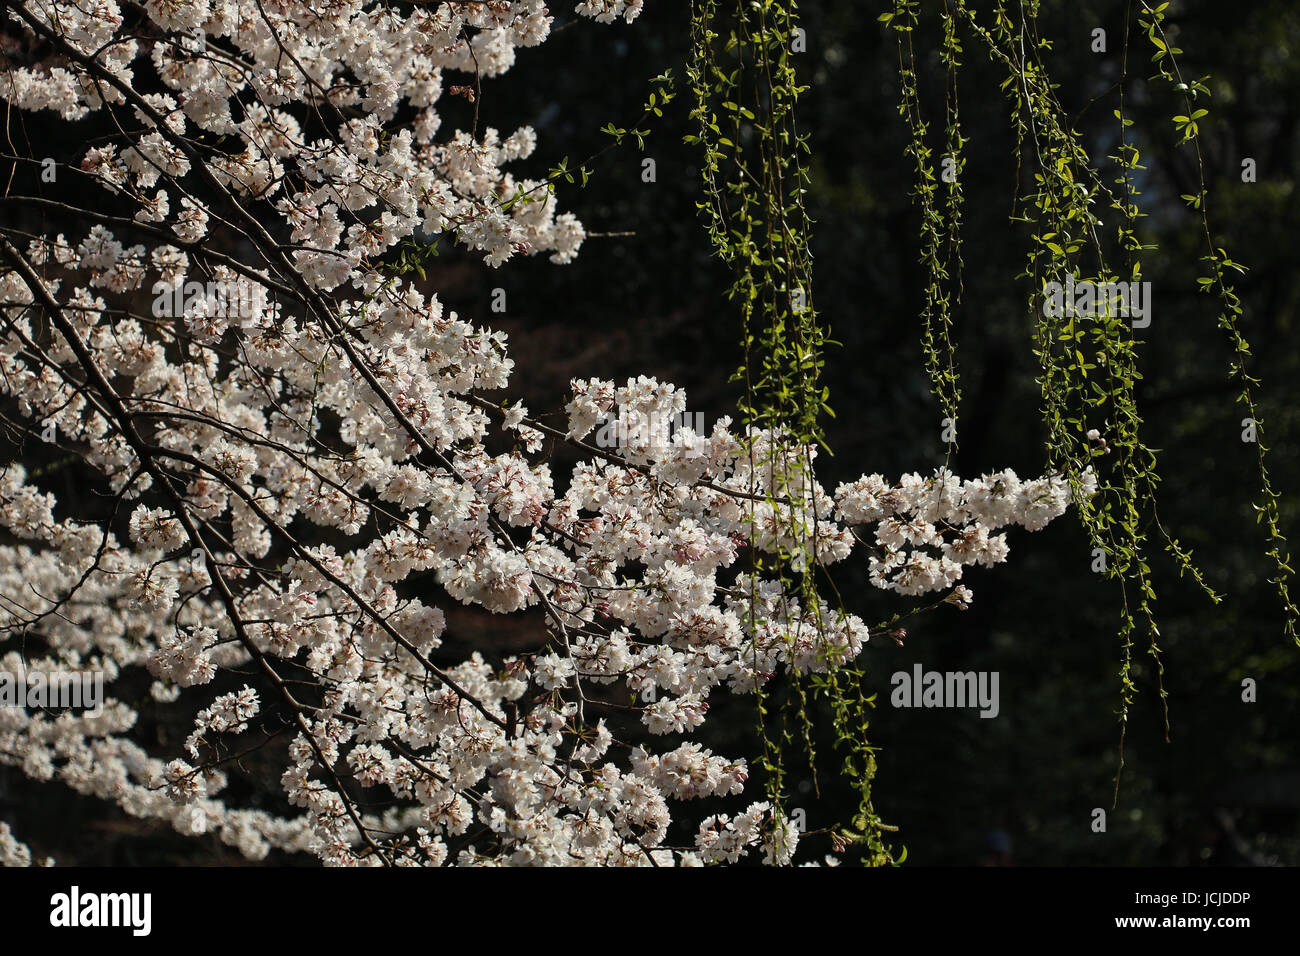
1089,367
755,179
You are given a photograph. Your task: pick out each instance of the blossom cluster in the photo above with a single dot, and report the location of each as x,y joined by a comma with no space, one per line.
928,529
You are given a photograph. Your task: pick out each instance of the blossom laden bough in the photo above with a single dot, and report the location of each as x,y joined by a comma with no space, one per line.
286,477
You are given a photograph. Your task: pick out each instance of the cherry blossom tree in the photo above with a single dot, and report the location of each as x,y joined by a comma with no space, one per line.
299,457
